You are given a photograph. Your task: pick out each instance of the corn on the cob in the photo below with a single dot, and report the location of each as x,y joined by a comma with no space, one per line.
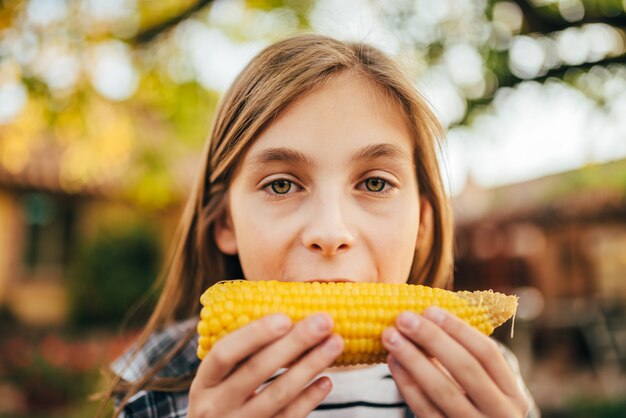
361,311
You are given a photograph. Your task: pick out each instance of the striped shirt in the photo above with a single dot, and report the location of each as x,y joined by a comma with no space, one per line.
368,392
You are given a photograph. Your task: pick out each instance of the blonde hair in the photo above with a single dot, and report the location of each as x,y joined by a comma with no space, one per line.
271,81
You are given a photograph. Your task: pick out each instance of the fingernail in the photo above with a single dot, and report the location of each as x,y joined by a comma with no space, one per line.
393,337
280,322
323,383
332,345
408,321
435,314
320,323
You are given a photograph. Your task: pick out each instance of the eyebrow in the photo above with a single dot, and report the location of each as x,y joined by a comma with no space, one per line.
290,155
281,154
374,151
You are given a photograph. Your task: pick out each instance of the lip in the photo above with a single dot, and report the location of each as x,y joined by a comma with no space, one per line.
329,280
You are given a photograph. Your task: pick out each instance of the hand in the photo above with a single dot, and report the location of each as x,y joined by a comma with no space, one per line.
228,379
445,368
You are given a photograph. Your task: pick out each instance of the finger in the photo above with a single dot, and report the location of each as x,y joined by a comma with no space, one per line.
419,403
439,388
238,345
304,335
285,389
308,400
456,359
480,346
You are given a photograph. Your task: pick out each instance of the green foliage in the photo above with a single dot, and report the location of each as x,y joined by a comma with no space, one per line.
53,373
584,408
162,98
112,275
610,177
301,8
48,372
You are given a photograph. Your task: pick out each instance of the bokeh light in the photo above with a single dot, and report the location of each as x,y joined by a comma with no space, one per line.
112,71
13,97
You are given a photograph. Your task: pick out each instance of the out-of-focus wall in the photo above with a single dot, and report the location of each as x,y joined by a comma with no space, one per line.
11,242
35,289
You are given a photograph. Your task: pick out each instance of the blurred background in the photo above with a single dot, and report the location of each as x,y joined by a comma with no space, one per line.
105,105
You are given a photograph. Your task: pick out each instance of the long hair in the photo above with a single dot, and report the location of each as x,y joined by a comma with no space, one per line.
273,79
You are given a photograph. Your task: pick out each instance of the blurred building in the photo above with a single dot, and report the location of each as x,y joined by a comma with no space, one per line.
44,225
559,242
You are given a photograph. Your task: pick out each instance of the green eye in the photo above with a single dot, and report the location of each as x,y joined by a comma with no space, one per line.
281,186
375,184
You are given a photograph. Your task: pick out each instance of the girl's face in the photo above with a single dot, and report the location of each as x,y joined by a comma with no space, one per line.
328,192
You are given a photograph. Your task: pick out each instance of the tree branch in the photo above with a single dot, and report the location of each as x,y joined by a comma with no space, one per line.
538,19
559,72
512,81
150,33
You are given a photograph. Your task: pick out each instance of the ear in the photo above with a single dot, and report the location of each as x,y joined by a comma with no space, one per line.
224,234
425,232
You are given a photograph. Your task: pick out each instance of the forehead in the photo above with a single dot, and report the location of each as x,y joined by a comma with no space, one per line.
346,113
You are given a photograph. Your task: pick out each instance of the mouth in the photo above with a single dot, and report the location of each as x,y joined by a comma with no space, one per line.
335,280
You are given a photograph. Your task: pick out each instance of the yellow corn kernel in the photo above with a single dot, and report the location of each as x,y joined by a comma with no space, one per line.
361,311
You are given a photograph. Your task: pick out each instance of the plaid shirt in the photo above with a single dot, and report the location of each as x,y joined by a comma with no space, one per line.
153,404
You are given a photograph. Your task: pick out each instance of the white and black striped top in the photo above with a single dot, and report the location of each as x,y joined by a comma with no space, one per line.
362,393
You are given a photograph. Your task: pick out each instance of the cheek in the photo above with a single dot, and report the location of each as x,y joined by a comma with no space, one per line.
262,242
396,242
402,248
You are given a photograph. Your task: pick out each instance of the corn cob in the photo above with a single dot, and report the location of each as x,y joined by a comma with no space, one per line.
361,311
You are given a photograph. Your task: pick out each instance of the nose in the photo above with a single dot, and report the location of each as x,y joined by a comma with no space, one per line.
326,232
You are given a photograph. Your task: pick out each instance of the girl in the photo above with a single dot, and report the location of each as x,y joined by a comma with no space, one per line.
321,166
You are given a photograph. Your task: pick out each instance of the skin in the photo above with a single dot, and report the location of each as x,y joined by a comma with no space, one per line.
330,187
